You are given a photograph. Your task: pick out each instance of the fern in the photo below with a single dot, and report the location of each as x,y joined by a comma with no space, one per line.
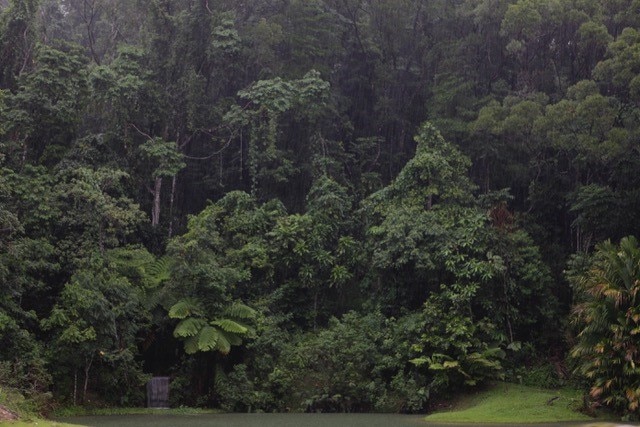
189,327
191,345
224,345
208,339
233,339
228,325
185,308
240,311
159,271
216,335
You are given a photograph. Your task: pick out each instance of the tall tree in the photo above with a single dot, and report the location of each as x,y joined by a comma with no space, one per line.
44,112
17,40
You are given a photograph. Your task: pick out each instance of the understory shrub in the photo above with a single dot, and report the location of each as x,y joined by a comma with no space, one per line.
358,363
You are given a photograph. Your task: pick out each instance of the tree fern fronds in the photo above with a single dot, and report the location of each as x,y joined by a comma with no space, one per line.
208,339
224,346
189,327
228,325
159,271
240,311
184,308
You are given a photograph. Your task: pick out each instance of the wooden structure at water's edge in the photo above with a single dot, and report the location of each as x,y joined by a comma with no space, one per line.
158,392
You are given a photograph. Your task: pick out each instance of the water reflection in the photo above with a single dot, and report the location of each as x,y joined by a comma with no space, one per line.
279,420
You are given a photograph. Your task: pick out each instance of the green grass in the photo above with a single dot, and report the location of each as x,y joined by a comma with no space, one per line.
512,403
35,423
80,411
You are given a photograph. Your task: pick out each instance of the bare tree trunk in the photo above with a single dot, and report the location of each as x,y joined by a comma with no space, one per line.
155,211
315,309
87,368
75,387
171,201
89,15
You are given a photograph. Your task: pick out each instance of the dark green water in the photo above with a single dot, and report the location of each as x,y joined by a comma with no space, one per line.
266,420
252,420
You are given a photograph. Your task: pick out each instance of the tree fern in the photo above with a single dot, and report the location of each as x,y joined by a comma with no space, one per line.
224,345
200,334
228,325
191,345
240,311
184,308
209,339
159,271
234,339
189,327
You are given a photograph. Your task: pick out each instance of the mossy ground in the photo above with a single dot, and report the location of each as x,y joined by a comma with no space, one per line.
513,403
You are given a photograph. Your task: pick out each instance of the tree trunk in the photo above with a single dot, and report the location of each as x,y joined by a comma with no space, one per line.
171,201
87,368
75,387
155,211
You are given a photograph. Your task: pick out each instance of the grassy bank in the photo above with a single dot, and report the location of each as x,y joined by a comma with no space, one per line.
36,422
513,403
30,420
12,403
501,403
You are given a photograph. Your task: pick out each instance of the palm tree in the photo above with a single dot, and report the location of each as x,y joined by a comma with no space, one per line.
608,344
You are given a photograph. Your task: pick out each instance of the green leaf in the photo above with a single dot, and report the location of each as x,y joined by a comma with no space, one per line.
451,364
230,326
224,345
191,345
208,339
189,327
185,308
419,361
240,311
158,271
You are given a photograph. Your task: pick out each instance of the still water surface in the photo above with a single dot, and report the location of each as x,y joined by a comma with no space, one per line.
270,420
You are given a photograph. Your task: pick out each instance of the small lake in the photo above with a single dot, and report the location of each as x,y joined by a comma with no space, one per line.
268,420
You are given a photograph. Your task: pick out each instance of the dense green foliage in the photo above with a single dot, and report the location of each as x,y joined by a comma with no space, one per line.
608,317
317,205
